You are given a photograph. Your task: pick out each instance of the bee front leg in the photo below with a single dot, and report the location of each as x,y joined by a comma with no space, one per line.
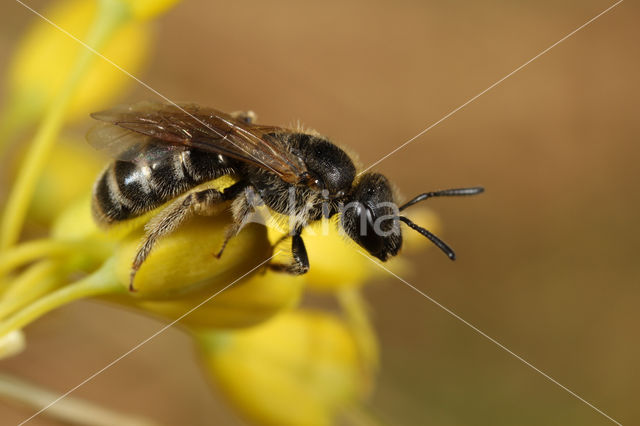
300,264
169,219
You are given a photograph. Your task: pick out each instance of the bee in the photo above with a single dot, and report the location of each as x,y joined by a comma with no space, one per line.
163,151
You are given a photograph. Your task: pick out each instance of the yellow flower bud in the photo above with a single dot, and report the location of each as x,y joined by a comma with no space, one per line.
184,263
182,272
300,368
46,55
245,303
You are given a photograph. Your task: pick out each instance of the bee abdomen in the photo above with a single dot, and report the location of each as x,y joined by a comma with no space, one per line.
127,189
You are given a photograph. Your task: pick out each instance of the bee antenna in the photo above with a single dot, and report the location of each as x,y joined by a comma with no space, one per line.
435,240
444,193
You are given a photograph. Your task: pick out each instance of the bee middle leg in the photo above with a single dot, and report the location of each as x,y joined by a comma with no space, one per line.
300,264
170,218
242,209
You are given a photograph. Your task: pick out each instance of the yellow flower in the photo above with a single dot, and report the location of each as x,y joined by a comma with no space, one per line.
300,368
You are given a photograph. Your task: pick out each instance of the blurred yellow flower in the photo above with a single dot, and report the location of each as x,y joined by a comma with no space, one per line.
300,368
148,9
45,57
57,188
52,74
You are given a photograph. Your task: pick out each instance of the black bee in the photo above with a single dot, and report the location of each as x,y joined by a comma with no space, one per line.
163,151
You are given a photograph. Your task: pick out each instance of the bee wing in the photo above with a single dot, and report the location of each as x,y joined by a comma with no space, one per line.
195,127
127,145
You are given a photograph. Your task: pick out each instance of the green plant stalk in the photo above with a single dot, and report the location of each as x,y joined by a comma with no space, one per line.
18,113
33,250
38,280
101,282
110,16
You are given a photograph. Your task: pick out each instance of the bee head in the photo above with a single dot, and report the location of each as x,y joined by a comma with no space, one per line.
371,217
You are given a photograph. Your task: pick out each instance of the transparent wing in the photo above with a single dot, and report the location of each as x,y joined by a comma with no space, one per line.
125,130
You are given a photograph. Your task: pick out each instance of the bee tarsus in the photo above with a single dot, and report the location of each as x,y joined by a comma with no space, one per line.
300,263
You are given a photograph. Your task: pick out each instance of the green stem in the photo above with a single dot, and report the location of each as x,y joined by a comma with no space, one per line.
14,118
101,282
110,15
36,281
32,250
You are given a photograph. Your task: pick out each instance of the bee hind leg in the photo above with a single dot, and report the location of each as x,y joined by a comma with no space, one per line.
169,219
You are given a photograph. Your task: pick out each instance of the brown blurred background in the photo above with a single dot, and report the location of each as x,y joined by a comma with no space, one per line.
547,257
